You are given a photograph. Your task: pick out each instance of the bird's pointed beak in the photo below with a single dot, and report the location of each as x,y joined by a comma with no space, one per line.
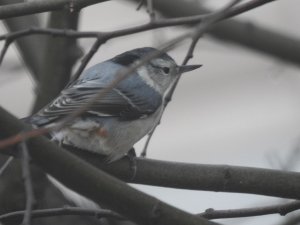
187,68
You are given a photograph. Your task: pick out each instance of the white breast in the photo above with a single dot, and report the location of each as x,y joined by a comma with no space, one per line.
121,135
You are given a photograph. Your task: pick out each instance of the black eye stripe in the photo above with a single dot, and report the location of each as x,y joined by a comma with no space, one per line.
165,69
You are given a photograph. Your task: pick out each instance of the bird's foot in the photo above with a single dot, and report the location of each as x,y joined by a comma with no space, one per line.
133,167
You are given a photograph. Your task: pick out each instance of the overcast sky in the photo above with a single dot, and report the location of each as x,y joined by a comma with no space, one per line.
240,108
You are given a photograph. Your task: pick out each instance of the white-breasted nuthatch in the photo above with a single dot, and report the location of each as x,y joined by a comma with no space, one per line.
115,122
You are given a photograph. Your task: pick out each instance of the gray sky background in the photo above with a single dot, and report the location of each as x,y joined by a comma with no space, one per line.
240,108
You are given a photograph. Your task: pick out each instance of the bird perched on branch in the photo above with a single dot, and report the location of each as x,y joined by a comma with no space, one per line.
126,113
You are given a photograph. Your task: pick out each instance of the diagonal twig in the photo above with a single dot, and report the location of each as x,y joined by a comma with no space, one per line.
140,5
150,10
5,165
30,200
202,27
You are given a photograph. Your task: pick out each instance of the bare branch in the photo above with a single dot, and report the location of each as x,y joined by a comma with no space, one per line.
48,31
57,67
281,209
97,185
211,19
150,10
30,48
146,145
28,183
247,34
23,135
219,178
173,174
140,4
4,50
5,165
100,213
100,40
103,37
25,8
132,30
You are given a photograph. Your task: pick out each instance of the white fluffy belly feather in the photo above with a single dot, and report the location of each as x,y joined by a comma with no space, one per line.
107,136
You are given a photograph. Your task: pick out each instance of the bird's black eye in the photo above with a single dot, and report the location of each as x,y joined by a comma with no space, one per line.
166,70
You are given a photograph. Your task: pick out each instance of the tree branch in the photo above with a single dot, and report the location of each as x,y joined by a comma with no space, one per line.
247,34
57,67
25,8
26,175
100,213
95,184
30,48
281,209
5,164
220,178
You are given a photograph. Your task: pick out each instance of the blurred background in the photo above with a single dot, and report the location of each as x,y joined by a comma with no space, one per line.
241,108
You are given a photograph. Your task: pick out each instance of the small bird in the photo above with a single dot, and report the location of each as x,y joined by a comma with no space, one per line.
115,122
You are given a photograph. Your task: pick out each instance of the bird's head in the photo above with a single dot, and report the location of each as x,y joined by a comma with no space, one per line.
160,72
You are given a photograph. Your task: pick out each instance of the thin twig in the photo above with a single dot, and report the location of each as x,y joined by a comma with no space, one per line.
10,37
31,7
12,140
140,5
99,213
4,50
27,182
150,10
149,137
6,164
49,31
201,27
132,30
281,209
87,58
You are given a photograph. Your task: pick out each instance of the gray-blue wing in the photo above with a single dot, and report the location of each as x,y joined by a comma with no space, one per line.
121,103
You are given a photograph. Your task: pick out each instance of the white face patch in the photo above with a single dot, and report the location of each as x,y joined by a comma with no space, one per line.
143,73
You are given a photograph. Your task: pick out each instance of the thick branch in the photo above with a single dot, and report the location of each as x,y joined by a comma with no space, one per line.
222,178
95,184
40,6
